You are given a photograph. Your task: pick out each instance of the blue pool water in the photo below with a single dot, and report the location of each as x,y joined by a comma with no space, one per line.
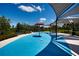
56,48
39,46
26,46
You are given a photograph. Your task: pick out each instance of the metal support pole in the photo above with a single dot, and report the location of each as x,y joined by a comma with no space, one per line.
50,29
56,28
73,33
39,30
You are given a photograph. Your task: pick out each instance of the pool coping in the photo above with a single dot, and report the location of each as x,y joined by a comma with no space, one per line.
7,41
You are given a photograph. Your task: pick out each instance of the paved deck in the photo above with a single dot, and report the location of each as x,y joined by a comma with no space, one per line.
73,43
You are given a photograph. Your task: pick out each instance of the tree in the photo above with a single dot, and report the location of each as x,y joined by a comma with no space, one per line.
4,24
23,28
18,27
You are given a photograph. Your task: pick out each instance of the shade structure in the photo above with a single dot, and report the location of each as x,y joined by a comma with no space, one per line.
65,10
39,24
73,10
60,8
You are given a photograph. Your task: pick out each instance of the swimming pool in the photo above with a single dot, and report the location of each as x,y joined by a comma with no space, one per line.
36,46
26,46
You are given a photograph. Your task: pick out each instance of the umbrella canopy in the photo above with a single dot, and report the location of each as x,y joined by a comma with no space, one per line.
39,23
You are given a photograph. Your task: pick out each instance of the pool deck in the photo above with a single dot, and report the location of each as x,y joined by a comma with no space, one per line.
7,41
72,41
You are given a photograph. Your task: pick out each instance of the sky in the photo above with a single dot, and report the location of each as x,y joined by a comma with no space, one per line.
29,13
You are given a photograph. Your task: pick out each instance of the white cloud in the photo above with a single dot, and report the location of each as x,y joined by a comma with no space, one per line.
27,8
38,8
42,19
31,8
